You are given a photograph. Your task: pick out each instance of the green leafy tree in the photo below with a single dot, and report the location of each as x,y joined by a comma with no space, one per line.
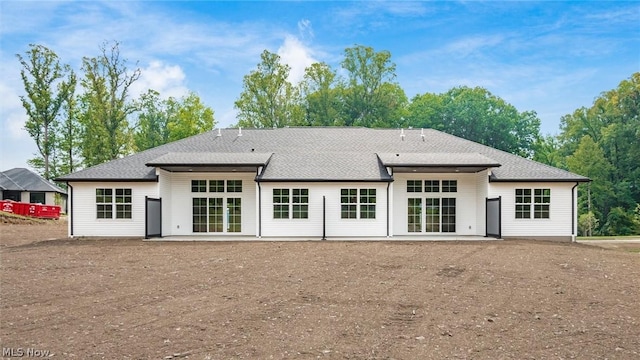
547,151
47,84
106,134
152,126
162,121
476,114
619,222
321,96
613,124
68,129
188,116
371,97
589,160
268,99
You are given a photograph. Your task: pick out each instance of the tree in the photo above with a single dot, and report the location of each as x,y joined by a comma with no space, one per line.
152,127
163,121
47,84
321,96
68,130
106,105
367,101
268,99
547,151
589,160
188,116
613,125
476,114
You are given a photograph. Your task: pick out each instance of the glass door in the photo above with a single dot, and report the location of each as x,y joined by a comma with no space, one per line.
234,214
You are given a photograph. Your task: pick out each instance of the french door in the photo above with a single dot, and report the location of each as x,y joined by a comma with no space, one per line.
217,215
437,214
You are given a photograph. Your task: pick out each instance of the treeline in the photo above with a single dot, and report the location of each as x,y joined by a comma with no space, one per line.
601,142
83,121
369,96
75,129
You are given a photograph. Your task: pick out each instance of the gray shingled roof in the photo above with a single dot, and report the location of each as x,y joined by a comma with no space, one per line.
333,153
26,180
7,184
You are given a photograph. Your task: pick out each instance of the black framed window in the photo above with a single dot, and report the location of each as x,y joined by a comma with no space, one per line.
216,186
414,186
280,203
234,186
198,185
300,206
432,186
450,186
349,203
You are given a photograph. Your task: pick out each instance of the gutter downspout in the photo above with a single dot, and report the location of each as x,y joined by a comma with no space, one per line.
259,210
70,209
388,184
573,212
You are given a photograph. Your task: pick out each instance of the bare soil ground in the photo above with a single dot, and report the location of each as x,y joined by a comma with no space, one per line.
129,299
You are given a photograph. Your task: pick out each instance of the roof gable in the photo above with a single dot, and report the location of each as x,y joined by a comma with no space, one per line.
26,180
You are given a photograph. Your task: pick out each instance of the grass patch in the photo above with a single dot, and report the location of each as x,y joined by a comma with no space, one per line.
618,237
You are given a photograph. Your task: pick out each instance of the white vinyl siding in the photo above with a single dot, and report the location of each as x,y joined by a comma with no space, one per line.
559,221
83,213
335,226
177,201
465,195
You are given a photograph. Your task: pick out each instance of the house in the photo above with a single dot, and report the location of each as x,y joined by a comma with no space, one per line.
324,183
23,185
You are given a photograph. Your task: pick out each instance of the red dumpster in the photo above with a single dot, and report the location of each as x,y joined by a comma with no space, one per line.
6,206
47,211
20,208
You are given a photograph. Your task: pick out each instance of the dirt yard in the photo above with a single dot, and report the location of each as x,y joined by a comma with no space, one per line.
129,299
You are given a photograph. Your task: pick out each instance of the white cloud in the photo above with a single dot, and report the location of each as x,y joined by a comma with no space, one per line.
168,80
305,29
297,56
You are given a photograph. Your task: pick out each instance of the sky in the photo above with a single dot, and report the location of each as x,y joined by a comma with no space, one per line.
549,57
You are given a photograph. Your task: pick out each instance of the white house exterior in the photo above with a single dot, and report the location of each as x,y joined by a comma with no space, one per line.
324,183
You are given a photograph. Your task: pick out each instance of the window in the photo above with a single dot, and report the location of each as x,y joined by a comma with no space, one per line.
350,203
432,186
216,185
123,203
414,211
198,185
295,206
300,204
432,210
234,185
448,215
36,197
367,203
199,214
414,186
280,203
541,201
106,202
449,185
523,203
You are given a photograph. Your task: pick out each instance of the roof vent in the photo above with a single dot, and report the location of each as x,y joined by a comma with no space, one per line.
402,134
422,134
239,131
219,133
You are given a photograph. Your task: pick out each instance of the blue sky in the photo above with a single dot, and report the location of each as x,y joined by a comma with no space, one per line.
551,57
